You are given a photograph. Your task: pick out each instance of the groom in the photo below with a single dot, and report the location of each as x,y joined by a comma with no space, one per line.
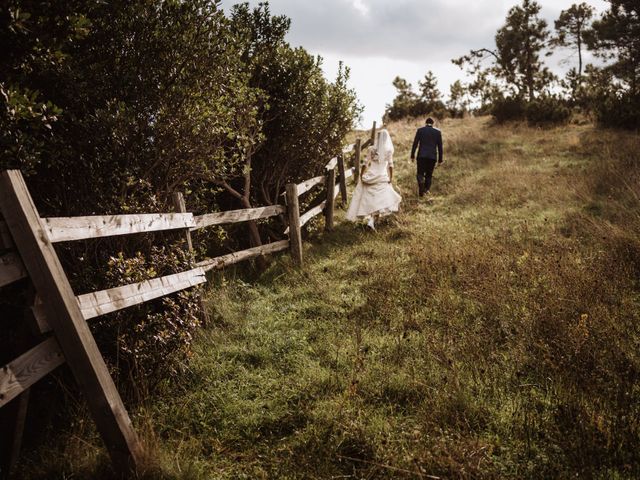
428,143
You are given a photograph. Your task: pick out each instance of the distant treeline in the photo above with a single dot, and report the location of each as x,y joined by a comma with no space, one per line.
511,80
109,107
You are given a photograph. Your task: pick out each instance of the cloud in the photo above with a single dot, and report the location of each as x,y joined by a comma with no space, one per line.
415,30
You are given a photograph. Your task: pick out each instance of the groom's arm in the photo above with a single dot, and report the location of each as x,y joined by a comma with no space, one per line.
416,141
440,148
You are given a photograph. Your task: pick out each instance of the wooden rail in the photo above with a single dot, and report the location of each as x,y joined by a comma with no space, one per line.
333,163
65,229
20,374
107,301
235,257
304,187
314,212
237,216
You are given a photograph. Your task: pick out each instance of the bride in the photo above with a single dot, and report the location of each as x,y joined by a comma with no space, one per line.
374,195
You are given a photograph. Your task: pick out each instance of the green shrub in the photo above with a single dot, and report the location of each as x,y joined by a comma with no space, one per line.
547,110
543,110
619,111
509,109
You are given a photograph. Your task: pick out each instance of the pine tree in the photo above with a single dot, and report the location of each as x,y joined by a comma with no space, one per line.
519,44
616,36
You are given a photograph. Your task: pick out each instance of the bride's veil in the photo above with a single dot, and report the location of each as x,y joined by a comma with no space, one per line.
384,146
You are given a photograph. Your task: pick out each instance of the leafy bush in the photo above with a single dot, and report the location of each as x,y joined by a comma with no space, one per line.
618,111
547,109
509,109
542,110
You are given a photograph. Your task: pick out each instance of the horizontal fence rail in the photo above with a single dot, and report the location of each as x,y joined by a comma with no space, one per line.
66,229
114,299
28,368
236,257
237,216
304,187
333,163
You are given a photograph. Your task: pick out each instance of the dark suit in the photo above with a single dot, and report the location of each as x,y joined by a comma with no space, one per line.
428,144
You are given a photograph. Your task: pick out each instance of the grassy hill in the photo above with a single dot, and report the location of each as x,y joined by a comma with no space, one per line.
491,333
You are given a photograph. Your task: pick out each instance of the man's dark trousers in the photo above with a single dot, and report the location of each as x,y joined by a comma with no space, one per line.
425,173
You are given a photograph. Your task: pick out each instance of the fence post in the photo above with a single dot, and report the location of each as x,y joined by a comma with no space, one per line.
68,323
373,134
356,161
329,207
343,180
295,233
180,206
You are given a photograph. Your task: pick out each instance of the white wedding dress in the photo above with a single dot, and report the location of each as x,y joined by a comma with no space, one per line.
374,195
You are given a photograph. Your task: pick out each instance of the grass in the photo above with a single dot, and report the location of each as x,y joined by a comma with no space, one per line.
491,333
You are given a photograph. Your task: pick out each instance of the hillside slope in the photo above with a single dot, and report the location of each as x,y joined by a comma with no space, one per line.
491,333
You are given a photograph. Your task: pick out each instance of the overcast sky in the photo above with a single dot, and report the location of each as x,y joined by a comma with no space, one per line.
380,39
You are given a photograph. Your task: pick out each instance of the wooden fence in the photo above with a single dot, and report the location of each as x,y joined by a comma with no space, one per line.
59,317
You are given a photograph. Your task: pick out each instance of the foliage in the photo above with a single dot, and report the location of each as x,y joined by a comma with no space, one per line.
408,104
306,117
548,110
515,64
616,37
543,110
458,103
571,28
519,44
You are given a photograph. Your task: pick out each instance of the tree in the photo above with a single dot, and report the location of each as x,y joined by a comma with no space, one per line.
430,94
519,44
571,28
616,37
458,102
515,64
405,103
304,117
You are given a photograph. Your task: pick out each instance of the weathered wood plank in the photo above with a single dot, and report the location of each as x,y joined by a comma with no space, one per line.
317,210
181,207
237,216
106,301
295,234
333,163
348,149
6,242
70,328
307,185
349,173
236,257
11,269
65,229
28,368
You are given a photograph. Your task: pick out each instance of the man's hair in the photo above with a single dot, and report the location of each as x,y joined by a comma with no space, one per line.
430,121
